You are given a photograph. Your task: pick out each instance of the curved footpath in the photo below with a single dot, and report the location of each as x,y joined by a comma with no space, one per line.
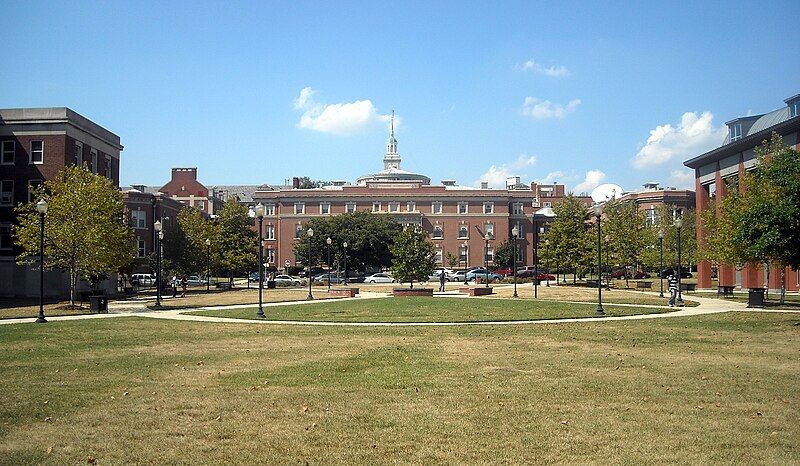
707,306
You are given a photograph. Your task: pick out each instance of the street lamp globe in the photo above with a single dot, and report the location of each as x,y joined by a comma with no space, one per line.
678,222
260,210
310,232
329,241
208,242
160,235
344,244
598,209
661,233
515,232
41,206
487,236
157,225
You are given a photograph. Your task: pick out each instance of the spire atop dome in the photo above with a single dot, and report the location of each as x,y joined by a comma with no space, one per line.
391,159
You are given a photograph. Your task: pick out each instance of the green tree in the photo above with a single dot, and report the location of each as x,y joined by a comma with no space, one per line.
629,237
185,252
414,256
85,233
762,221
451,259
503,255
570,243
234,239
368,236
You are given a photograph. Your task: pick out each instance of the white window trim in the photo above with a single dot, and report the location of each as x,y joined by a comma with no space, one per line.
269,233
269,209
433,208
465,205
491,207
321,205
412,205
441,231
489,228
396,206
13,152
30,154
11,192
79,153
302,209
136,224
518,208
37,183
143,249
376,203
465,227
350,207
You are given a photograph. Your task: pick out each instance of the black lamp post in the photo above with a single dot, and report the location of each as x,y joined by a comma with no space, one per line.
486,237
329,241
260,210
466,259
344,246
41,207
515,235
608,266
661,261
159,237
208,266
310,233
598,212
535,260
546,244
678,225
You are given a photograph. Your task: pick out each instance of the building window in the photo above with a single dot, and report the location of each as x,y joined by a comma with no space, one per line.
463,208
7,154
350,207
37,152
436,208
489,254
299,208
325,208
394,207
141,248
270,232
462,254
138,219
794,109
298,231
6,192
78,153
736,131
5,236
463,232
548,204
489,230
518,209
438,256
270,259
520,252
651,216
93,168
33,187
108,167
520,230
376,206
201,205
438,232
488,207
411,207
269,209
712,190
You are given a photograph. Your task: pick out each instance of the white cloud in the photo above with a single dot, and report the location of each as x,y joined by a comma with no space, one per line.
682,179
496,175
592,180
342,118
555,71
552,177
693,136
541,109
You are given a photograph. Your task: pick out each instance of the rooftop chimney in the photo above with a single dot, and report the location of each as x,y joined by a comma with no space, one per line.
484,185
295,183
449,182
339,182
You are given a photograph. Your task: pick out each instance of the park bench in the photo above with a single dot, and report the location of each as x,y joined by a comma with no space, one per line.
725,290
688,287
591,283
223,286
644,285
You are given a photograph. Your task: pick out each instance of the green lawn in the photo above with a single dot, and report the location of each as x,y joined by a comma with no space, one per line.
708,389
429,310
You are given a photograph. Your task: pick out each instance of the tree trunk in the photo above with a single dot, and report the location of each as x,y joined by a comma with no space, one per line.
625,272
766,285
783,285
73,280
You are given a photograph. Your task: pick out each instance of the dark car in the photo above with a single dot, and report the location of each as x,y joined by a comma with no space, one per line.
667,272
314,272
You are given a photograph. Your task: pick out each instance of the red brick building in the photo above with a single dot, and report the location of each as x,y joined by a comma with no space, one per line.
142,209
184,187
35,145
651,197
717,171
456,217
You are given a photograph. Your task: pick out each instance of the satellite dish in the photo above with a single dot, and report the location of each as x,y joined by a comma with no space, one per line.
606,192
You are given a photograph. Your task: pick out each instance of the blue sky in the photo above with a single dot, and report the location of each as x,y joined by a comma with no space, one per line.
563,91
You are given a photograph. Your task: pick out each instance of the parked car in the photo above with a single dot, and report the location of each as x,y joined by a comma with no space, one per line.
314,272
378,278
639,275
143,279
667,272
287,280
505,272
546,276
195,280
482,274
458,276
447,272
322,279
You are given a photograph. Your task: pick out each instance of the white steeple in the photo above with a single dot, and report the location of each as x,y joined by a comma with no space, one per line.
391,159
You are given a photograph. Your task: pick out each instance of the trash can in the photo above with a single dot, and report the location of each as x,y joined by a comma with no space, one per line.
755,297
270,284
99,304
536,281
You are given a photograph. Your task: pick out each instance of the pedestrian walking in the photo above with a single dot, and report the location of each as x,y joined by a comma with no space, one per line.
184,283
672,282
174,284
442,280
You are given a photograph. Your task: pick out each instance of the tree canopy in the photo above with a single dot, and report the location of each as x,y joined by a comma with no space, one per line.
85,231
414,256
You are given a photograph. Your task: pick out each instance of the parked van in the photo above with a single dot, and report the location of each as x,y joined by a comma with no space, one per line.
143,279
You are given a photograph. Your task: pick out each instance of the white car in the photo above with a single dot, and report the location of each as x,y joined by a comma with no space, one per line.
378,278
143,279
288,280
447,272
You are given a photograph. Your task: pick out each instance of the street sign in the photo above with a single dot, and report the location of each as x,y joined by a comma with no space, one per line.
286,263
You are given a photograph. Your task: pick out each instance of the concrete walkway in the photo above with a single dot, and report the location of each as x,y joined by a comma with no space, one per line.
118,309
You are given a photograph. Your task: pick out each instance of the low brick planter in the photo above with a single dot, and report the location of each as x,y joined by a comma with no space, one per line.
476,290
344,292
403,292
